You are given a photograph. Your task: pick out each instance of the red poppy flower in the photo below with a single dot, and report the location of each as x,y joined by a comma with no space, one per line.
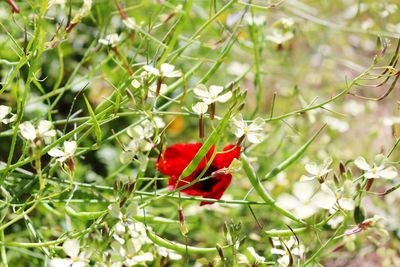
177,157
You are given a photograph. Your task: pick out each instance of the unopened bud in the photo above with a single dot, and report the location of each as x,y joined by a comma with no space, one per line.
369,184
220,252
71,164
342,168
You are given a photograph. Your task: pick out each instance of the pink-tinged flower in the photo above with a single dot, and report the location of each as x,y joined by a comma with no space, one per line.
212,184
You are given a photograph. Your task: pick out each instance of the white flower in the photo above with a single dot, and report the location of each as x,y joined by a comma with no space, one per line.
280,247
200,108
43,130
282,31
76,259
377,170
112,39
212,94
153,89
255,20
166,70
168,253
4,111
68,153
336,124
257,258
128,254
317,171
300,203
253,132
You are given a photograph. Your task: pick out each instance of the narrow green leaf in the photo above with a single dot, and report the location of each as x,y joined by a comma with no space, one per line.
97,129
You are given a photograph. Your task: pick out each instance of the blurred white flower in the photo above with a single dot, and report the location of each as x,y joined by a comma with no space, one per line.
336,124
253,132
316,171
237,68
168,253
128,254
67,154
4,112
257,258
255,20
112,39
353,107
43,130
166,70
281,246
153,89
200,108
377,169
300,203
76,259
212,94
282,31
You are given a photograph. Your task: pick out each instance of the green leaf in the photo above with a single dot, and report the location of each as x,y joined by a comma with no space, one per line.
97,129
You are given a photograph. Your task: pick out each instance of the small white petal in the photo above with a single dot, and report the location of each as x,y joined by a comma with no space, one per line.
305,211
165,68
254,138
324,199
4,111
69,147
58,262
225,97
304,190
71,247
347,203
201,92
43,127
362,164
312,168
388,173
27,130
287,201
152,70
56,153
216,90
200,108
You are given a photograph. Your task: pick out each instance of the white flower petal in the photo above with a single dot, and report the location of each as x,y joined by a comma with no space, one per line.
165,68
44,126
305,211
200,108
4,111
56,153
225,97
388,173
324,199
216,90
201,93
71,247
362,164
254,138
28,131
58,262
304,190
69,147
287,201
152,70
312,168
347,203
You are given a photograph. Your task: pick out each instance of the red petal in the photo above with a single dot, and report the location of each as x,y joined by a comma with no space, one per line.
225,158
218,189
176,158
